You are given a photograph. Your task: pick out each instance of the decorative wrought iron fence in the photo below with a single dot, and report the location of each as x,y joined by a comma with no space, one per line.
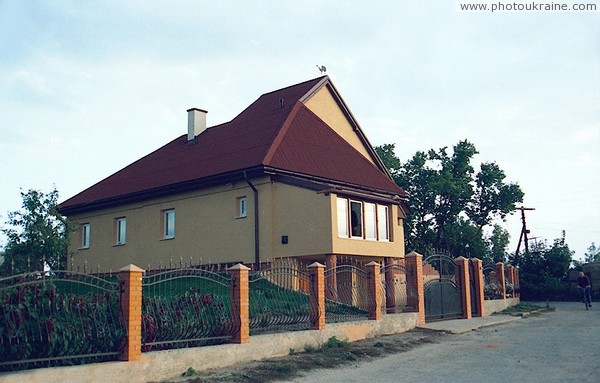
279,299
473,284
398,289
185,307
346,293
58,318
492,288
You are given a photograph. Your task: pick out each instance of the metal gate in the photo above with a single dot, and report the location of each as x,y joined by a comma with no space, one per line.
442,293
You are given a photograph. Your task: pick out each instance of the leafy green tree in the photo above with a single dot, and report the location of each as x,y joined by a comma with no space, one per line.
592,254
389,159
450,203
497,243
544,270
36,235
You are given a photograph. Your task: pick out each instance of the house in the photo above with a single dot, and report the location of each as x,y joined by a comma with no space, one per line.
293,175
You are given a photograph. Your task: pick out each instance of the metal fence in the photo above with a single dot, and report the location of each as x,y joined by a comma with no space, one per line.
398,289
347,295
185,307
492,288
58,318
279,299
65,317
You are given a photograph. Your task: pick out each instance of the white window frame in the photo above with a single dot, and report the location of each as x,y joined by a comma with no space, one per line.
383,223
360,220
374,220
169,224
121,230
85,236
370,221
242,207
342,218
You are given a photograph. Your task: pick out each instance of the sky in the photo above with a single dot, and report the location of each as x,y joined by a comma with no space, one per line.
86,88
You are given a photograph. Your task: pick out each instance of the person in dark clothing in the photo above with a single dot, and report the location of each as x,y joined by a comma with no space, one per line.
583,282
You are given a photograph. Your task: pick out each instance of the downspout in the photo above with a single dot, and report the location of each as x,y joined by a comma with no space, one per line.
256,236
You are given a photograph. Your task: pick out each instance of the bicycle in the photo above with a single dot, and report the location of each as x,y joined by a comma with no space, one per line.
586,297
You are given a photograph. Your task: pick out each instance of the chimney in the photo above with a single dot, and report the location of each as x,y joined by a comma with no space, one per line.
196,122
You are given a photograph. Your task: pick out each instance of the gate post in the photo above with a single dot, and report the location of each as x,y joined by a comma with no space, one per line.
317,296
240,303
462,277
130,278
414,262
501,279
373,269
479,285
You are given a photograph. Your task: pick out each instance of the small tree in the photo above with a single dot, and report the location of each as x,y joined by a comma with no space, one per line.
37,236
592,254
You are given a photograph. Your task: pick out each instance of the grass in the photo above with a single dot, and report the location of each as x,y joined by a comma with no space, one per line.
524,308
331,354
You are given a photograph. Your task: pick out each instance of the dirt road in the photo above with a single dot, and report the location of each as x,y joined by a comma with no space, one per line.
558,346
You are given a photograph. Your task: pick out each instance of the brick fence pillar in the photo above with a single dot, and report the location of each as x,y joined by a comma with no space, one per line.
501,279
414,263
317,296
464,284
130,277
374,289
240,303
479,285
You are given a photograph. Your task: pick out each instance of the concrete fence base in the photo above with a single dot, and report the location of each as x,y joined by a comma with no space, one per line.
169,364
497,305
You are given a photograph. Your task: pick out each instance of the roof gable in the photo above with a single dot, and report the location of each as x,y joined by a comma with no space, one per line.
307,145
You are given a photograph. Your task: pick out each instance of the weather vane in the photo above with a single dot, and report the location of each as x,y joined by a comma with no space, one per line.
322,68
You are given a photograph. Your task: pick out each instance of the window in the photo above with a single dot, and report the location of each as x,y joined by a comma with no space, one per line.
242,207
85,236
356,219
169,224
370,222
121,230
383,231
362,220
342,217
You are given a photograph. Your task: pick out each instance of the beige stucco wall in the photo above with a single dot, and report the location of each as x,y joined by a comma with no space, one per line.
207,229
303,216
324,105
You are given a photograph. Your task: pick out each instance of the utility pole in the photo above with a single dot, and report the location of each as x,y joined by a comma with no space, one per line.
523,237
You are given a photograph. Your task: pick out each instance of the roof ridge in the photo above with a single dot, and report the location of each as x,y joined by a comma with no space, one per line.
294,85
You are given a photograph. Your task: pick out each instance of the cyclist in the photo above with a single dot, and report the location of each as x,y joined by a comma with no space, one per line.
583,282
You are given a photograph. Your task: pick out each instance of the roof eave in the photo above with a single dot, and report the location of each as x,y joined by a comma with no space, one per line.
144,195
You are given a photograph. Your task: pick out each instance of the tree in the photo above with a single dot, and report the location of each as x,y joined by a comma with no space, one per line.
450,203
544,270
592,254
497,244
37,237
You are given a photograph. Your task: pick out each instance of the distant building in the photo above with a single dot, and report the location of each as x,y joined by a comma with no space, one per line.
292,176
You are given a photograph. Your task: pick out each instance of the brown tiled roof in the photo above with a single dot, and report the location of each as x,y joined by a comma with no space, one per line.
286,137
